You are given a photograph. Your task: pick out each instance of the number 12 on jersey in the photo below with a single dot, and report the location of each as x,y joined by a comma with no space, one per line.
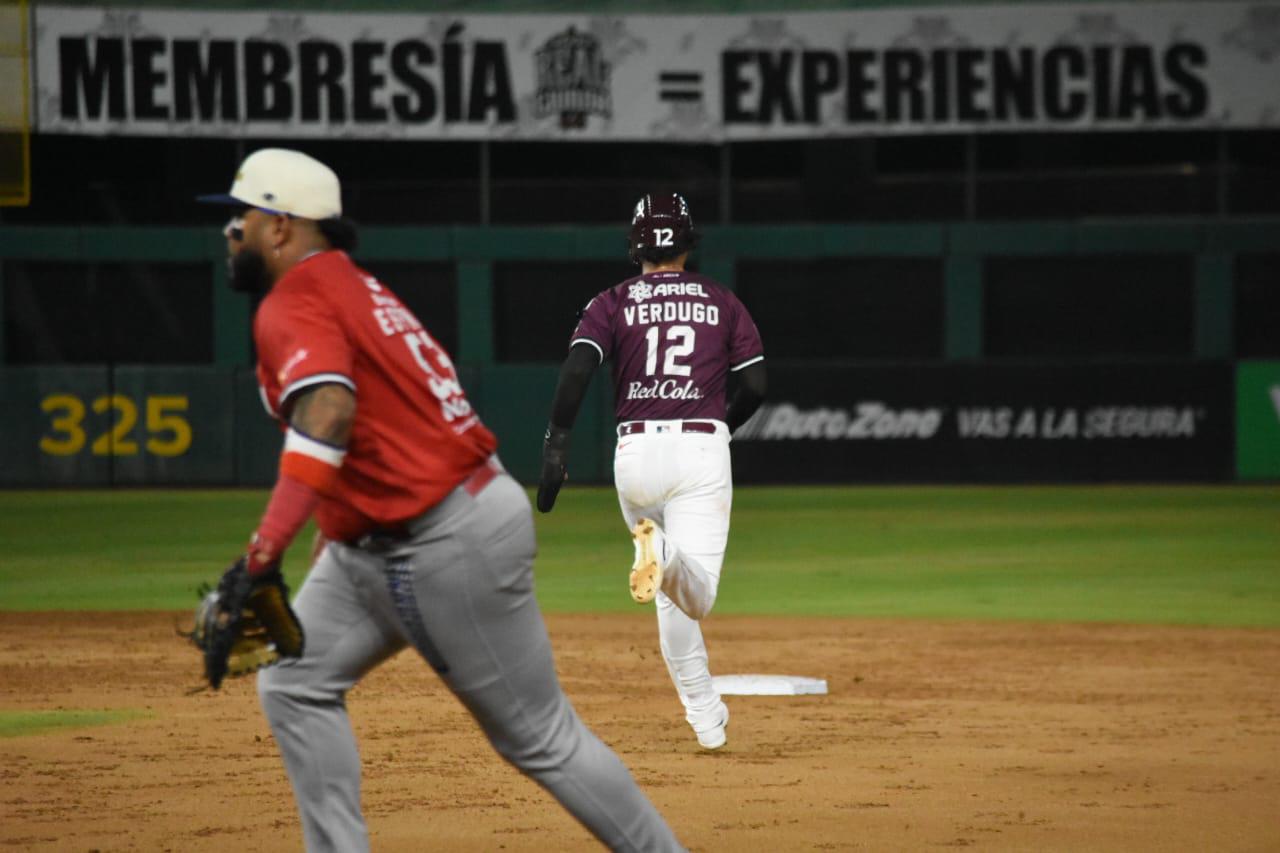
680,340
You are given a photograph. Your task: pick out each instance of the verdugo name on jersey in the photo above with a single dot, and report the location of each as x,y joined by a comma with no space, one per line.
671,312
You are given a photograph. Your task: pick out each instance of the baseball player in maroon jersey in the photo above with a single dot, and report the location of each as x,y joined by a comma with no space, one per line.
430,542
673,339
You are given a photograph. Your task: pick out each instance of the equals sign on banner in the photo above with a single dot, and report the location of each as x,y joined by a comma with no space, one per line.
680,86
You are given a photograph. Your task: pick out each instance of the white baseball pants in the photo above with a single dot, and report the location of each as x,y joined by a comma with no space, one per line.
684,482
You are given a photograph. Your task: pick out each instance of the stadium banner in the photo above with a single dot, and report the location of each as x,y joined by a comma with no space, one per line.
96,426
991,423
696,78
1258,420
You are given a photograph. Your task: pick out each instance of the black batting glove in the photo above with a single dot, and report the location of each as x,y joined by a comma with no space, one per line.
555,452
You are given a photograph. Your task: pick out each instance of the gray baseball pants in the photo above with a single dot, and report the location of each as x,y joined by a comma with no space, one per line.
459,589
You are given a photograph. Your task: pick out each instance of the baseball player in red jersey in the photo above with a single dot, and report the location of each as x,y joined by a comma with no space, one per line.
430,542
673,337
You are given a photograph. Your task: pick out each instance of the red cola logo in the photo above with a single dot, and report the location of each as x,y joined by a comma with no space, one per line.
663,389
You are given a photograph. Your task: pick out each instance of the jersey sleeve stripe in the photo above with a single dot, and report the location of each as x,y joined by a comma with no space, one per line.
315,379
266,404
576,341
746,363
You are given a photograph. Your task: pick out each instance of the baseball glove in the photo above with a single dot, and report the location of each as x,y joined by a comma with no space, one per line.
245,624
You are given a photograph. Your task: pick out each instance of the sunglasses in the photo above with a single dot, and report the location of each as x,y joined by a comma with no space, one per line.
234,229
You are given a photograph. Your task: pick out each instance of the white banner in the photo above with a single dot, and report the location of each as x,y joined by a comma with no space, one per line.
703,78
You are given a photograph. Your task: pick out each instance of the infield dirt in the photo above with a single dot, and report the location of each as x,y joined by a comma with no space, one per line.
996,736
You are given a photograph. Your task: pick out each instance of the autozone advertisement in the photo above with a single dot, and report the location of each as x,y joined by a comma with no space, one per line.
991,423
697,78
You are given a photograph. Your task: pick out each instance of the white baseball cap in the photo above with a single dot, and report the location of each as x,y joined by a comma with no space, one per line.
279,180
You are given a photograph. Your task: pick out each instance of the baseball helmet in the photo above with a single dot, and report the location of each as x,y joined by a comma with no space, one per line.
661,221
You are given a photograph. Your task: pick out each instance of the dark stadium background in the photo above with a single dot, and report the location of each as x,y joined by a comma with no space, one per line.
956,255
1015,177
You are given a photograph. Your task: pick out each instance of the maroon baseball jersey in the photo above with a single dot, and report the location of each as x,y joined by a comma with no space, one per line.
673,338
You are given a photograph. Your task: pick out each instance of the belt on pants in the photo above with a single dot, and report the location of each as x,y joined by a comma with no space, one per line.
482,476
475,483
634,427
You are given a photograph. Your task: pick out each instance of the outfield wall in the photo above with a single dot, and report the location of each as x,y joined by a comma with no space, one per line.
944,292
1155,337
1209,422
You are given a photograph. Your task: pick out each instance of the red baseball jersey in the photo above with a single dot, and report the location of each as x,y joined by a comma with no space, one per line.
673,338
415,436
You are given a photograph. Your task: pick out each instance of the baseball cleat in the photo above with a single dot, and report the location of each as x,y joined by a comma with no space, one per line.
646,571
715,737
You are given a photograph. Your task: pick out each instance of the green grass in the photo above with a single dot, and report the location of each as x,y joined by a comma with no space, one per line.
1152,554
122,549
21,723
